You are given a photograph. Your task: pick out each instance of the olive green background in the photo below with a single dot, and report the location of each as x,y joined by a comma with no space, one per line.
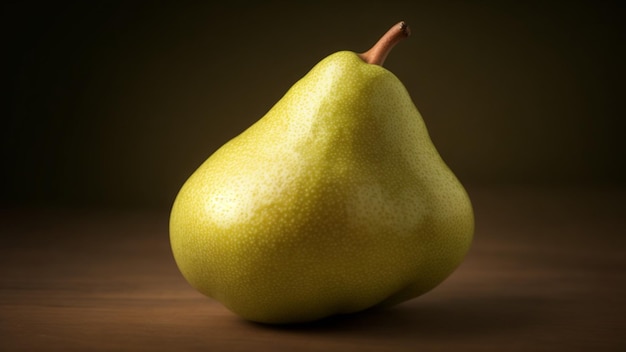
115,103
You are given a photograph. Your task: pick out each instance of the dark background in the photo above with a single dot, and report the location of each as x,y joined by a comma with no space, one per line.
115,103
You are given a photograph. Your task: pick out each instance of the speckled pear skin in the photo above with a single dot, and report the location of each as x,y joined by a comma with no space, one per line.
334,202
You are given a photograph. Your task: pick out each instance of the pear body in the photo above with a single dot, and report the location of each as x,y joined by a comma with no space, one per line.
334,202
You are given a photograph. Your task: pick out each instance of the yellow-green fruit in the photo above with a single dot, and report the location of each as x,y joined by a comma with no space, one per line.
334,202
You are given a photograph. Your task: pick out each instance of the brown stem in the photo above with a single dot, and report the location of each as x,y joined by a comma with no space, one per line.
378,53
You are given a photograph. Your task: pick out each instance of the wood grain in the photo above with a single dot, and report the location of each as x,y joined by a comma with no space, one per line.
545,273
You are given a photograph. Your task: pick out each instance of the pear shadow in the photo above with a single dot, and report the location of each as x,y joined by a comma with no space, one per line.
468,316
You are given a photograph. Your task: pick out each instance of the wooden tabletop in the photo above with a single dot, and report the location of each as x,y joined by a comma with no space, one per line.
546,273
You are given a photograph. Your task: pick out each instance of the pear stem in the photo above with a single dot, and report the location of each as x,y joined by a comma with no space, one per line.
378,53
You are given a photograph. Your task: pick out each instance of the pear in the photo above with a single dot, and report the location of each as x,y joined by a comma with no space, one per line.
334,202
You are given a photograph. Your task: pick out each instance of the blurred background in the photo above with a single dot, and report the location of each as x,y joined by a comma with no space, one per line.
116,103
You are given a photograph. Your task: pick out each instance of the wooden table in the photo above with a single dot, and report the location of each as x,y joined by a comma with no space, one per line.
545,273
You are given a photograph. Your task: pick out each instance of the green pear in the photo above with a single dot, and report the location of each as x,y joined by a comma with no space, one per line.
334,202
